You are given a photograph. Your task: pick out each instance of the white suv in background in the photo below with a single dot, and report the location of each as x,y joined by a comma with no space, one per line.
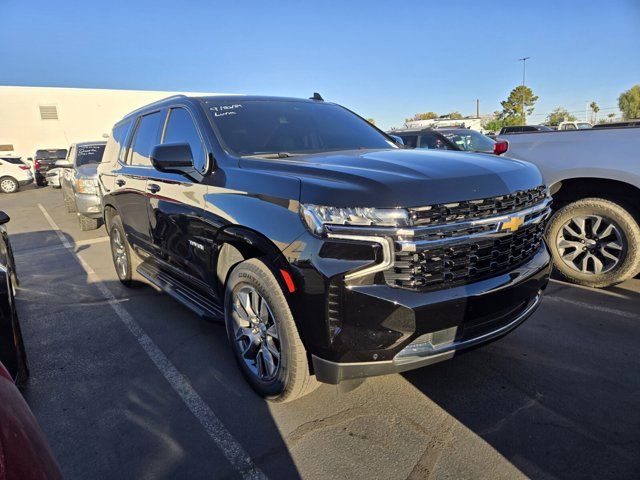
14,173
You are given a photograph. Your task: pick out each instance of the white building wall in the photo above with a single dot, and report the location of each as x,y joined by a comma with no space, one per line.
83,115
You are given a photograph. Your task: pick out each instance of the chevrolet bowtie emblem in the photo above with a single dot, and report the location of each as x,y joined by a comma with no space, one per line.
513,224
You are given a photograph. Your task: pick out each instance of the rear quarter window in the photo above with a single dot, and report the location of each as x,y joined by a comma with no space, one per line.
12,160
116,143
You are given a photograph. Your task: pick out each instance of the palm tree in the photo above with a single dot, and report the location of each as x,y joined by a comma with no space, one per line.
595,109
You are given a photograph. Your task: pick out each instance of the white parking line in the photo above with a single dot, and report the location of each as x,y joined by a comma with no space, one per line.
590,306
230,448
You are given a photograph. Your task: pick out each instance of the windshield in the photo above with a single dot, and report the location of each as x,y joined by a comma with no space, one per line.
470,140
89,154
584,126
58,154
291,127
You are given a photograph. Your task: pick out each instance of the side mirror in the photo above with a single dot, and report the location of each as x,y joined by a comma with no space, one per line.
173,158
398,140
63,164
4,218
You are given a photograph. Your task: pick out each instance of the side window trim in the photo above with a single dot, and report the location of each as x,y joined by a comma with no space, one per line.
125,142
134,132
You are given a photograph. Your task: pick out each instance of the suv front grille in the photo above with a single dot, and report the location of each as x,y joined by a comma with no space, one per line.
476,209
448,266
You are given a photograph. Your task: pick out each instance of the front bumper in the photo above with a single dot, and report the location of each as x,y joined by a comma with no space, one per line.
422,328
89,205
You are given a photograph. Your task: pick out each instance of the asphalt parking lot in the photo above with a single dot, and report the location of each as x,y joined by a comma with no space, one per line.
126,383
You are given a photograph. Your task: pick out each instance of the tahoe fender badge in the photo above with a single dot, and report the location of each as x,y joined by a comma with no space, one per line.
196,245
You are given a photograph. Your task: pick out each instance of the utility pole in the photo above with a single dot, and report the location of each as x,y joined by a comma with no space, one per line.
524,67
586,111
477,108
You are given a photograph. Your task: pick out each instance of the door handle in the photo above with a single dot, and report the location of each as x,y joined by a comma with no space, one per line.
153,187
120,182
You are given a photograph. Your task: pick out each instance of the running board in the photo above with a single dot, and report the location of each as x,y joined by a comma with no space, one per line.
181,292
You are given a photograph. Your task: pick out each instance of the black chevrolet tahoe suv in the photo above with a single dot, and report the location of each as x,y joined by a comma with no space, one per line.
330,252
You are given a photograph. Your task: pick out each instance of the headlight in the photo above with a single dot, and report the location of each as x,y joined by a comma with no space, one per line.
87,185
316,217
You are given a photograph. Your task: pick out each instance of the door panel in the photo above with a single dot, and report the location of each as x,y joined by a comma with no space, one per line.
131,181
176,224
133,207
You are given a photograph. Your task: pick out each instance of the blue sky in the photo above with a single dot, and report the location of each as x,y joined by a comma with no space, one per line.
383,59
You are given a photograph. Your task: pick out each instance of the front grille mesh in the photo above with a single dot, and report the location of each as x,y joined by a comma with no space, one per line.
476,209
448,266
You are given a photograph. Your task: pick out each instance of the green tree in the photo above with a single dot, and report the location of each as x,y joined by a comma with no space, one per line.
455,115
629,103
494,124
422,116
558,115
372,121
512,107
595,109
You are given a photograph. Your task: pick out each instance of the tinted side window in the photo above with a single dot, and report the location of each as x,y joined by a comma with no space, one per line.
433,141
145,138
14,160
410,141
180,128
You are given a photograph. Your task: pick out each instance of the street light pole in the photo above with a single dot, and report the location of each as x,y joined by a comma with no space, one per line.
524,68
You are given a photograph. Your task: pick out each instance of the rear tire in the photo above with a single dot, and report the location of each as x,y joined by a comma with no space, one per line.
595,242
9,185
124,260
70,203
87,223
280,370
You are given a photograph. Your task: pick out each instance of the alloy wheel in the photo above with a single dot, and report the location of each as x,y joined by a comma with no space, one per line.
8,186
256,333
591,244
119,253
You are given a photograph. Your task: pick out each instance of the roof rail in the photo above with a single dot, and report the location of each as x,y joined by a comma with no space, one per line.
157,102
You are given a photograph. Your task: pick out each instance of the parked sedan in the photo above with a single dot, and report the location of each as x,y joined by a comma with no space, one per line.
53,177
24,453
12,352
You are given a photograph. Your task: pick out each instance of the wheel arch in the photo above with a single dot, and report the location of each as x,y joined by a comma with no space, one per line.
573,189
237,244
109,211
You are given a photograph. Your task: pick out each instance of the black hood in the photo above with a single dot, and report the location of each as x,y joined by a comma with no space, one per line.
401,178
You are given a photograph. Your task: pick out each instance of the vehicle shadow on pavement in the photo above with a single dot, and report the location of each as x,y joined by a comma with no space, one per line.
557,398
107,410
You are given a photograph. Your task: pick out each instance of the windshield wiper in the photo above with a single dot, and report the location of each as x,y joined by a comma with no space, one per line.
272,155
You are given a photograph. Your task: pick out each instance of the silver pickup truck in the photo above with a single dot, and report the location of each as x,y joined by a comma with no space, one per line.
79,184
594,177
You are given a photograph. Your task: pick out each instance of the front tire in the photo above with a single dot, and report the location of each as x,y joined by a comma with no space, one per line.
595,242
263,335
87,223
9,185
70,203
